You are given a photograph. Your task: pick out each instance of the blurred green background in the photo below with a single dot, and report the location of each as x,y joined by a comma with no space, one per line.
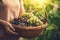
53,8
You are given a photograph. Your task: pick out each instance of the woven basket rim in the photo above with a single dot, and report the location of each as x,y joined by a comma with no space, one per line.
31,28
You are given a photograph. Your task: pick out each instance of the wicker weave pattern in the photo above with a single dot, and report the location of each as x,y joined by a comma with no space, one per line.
29,32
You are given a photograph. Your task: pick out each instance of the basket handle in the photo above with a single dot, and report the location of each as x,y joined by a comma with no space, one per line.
46,15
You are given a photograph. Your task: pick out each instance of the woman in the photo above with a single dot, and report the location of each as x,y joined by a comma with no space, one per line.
10,9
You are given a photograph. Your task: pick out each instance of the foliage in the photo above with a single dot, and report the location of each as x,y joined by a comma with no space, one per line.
37,7
53,30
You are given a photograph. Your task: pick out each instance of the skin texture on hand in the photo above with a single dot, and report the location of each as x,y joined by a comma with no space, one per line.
8,27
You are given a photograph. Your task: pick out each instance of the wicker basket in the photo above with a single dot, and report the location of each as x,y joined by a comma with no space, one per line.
23,31
30,32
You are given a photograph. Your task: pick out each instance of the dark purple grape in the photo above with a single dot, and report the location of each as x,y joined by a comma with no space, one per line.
15,21
20,21
24,19
22,24
44,20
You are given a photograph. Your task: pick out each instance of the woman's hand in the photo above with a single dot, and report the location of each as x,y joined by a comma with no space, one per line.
8,27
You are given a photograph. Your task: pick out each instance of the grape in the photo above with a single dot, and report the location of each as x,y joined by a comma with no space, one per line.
44,20
24,19
27,20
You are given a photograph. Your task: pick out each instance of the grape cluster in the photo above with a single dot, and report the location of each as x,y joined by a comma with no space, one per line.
20,21
23,21
27,20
